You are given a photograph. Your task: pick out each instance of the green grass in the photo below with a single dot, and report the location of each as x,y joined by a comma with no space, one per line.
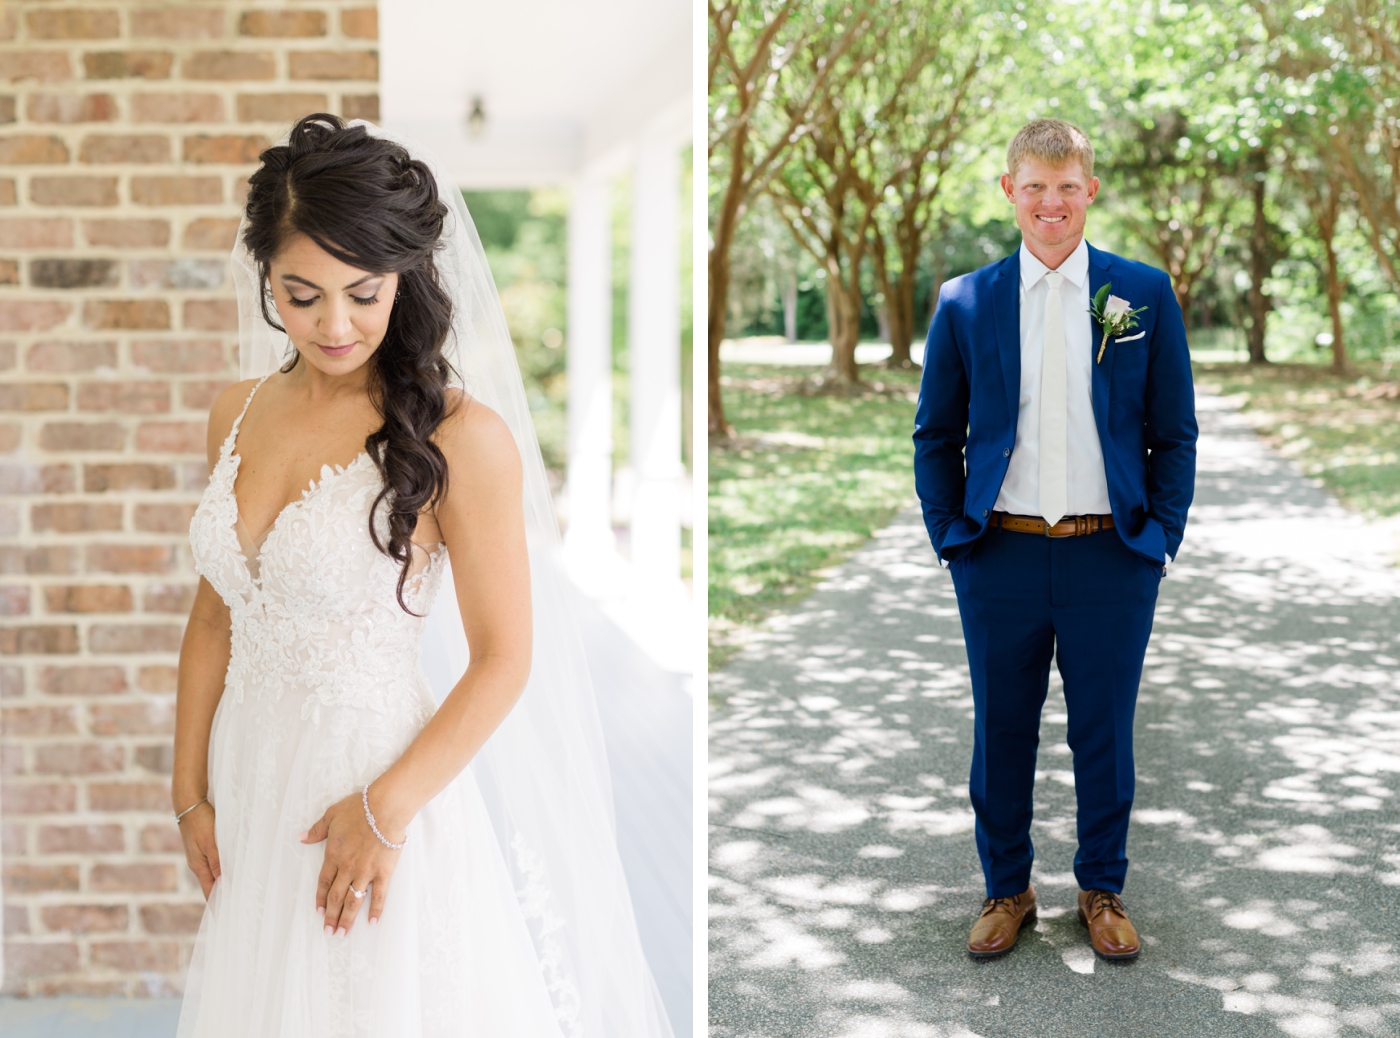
1343,430
809,476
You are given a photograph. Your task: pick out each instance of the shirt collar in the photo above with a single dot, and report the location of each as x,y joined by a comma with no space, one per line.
1075,268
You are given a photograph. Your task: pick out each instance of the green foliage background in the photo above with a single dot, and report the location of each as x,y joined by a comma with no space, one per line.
525,235
1177,98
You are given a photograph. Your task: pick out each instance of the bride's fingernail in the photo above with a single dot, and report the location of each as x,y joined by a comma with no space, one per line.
320,909
341,932
304,835
373,919
330,930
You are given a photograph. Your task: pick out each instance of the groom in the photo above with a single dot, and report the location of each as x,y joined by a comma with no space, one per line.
1055,471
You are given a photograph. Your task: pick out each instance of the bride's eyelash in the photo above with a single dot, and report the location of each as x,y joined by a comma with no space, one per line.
294,301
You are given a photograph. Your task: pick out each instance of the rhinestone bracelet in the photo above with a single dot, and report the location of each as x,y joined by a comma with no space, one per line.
369,817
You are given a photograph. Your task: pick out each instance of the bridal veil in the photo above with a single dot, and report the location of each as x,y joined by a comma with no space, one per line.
544,773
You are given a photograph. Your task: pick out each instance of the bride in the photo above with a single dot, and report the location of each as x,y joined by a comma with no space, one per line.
375,863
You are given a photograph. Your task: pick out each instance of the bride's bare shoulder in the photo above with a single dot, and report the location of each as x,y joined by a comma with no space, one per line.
225,409
477,442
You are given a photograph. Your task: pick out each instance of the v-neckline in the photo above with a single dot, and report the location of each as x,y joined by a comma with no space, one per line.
328,473
314,485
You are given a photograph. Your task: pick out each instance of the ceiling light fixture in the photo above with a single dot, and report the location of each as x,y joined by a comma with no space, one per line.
476,117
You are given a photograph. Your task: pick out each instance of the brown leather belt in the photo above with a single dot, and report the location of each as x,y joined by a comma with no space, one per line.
1069,526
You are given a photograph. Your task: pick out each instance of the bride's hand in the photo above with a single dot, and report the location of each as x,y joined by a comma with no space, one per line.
354,856
197,830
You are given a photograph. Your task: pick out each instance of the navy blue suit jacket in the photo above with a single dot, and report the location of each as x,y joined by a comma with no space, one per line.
969,401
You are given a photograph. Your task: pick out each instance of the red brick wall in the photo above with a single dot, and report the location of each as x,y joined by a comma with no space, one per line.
127,132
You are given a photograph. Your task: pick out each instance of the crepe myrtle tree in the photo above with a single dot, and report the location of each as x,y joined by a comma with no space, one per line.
754,44
1337,66
1169,95
1322,202
767,269
1325,203
948,61
861,188
818,192
1266,243
830,188
1180,206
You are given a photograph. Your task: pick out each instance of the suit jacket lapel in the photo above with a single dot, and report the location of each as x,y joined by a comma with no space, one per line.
1006,306
1102,377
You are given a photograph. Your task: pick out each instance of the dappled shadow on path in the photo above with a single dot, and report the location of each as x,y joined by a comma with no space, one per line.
1265,843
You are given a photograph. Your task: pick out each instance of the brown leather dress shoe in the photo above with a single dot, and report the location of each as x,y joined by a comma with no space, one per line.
1110,931
1000,923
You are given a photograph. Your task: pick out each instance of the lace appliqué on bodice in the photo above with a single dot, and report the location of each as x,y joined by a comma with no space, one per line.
314,610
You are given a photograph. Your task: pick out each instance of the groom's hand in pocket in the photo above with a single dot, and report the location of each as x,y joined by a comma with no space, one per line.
354,857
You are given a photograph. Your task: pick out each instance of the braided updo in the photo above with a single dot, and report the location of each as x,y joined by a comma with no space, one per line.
368,203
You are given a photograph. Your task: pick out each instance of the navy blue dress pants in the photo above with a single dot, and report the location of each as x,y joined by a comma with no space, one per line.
1087,603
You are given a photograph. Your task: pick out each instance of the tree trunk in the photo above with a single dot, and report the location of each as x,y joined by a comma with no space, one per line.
1183,300
890,316
1327,228
1175,266
719,291
719,285
833,318
790,307
901,311
897,310
1334,306
844,307
1258,269
940,268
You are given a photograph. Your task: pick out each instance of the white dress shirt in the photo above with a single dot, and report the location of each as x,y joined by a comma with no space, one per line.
1087,485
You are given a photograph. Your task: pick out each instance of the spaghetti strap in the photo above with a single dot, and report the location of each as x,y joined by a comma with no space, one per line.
233,430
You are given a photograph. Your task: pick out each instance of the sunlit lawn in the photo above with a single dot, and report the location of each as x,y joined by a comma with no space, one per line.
1344,431
810,476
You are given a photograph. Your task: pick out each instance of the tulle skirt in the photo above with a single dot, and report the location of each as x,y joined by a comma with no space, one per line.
452,954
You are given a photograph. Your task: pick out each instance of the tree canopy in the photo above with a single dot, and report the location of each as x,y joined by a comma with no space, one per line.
1251,149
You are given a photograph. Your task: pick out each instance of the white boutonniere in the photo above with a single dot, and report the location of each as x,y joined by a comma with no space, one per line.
1115,316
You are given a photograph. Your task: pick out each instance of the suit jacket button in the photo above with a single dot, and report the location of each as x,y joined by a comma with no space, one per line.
1006,452
985,513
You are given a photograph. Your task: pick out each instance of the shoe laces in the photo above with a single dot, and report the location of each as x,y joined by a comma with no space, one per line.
991,904
1099,900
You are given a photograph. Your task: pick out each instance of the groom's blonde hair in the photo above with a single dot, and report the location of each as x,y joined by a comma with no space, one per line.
1052,140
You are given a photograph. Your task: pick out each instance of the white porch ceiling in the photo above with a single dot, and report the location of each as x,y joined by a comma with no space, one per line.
567,85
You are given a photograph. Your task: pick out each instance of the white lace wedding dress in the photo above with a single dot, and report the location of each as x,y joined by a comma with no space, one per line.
323,693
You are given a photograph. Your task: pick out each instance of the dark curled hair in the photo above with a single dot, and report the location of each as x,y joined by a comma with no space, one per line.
365,201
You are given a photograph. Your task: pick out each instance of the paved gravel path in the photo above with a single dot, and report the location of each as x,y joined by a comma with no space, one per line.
1265,844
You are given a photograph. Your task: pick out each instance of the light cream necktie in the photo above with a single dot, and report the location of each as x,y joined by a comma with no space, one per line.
1054,418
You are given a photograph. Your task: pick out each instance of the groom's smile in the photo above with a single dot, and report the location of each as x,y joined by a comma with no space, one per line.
1052,203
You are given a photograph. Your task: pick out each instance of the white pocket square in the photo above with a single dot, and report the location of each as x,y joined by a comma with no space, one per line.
1130,338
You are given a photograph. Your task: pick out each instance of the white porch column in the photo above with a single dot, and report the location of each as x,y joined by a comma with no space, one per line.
654,340
589,477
